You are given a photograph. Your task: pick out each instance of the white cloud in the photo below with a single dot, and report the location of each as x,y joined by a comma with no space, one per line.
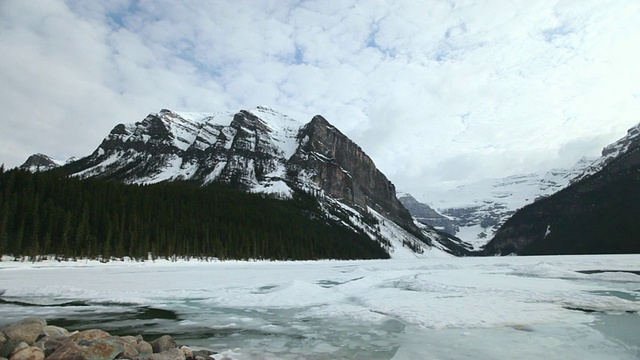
437,92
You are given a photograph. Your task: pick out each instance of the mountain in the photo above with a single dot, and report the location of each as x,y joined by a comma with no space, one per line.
595,214
263,151
426,214
474,212
40,162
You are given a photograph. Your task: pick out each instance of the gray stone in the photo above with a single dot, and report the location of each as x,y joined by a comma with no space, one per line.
172,354
51,343
144,347
91,335
103,349
188,354
27,353
132,340
51,330
69,351
26,330
204,353
163,343
7,348
127,343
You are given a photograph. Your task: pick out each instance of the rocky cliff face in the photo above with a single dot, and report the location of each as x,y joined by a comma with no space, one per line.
595,214
260,150
339,167
427,215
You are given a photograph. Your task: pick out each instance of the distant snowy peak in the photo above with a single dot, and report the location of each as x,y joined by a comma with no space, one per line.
612,151
40,162
475,211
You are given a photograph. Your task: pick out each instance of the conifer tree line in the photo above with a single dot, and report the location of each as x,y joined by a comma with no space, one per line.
47,213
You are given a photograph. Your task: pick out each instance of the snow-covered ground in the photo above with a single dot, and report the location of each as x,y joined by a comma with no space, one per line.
450,308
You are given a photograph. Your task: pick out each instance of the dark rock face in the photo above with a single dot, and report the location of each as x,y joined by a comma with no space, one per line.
425,214
39,162
339,167
595,215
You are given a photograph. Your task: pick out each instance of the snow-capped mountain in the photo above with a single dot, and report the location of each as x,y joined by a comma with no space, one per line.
474,212
596,213
263,151
611,152
40,162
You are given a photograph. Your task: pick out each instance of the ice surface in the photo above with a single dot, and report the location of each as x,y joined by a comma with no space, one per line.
562,307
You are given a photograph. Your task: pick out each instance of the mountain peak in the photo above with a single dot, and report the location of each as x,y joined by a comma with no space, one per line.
40,162
260,150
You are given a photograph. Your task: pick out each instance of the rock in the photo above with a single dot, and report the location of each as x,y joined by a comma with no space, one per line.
127,343
7,347
131,340
204,353
103,349
52,343
51,330
163,343
26,330
188,354
91,335
69,351
144,347
172,354
27,353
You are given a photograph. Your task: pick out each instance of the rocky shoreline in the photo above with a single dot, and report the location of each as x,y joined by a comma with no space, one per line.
33,339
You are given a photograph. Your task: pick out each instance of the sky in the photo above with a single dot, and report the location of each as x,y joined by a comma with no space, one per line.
438,93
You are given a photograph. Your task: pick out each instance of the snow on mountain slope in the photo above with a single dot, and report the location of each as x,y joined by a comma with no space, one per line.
611,152
263,151
480,208
249,147
41,162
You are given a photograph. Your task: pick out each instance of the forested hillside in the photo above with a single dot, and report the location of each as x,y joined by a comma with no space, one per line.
47,213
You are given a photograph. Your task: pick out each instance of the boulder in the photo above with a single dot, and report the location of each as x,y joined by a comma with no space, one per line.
173,354
131,340
26,330
52,343
91,335
188,354
7,347
27,353
144,347
203,353
51,330
103,349
163,343
69,351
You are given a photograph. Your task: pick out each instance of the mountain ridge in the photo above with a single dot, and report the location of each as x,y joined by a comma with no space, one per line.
594,214
260,150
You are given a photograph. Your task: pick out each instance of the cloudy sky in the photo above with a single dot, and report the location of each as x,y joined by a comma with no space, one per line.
438,93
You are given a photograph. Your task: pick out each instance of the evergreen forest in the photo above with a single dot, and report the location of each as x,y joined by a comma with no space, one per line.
46,213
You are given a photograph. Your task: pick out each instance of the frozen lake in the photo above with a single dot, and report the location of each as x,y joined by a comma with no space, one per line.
561,307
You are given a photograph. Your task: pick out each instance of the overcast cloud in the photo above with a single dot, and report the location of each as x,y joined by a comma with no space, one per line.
438,93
